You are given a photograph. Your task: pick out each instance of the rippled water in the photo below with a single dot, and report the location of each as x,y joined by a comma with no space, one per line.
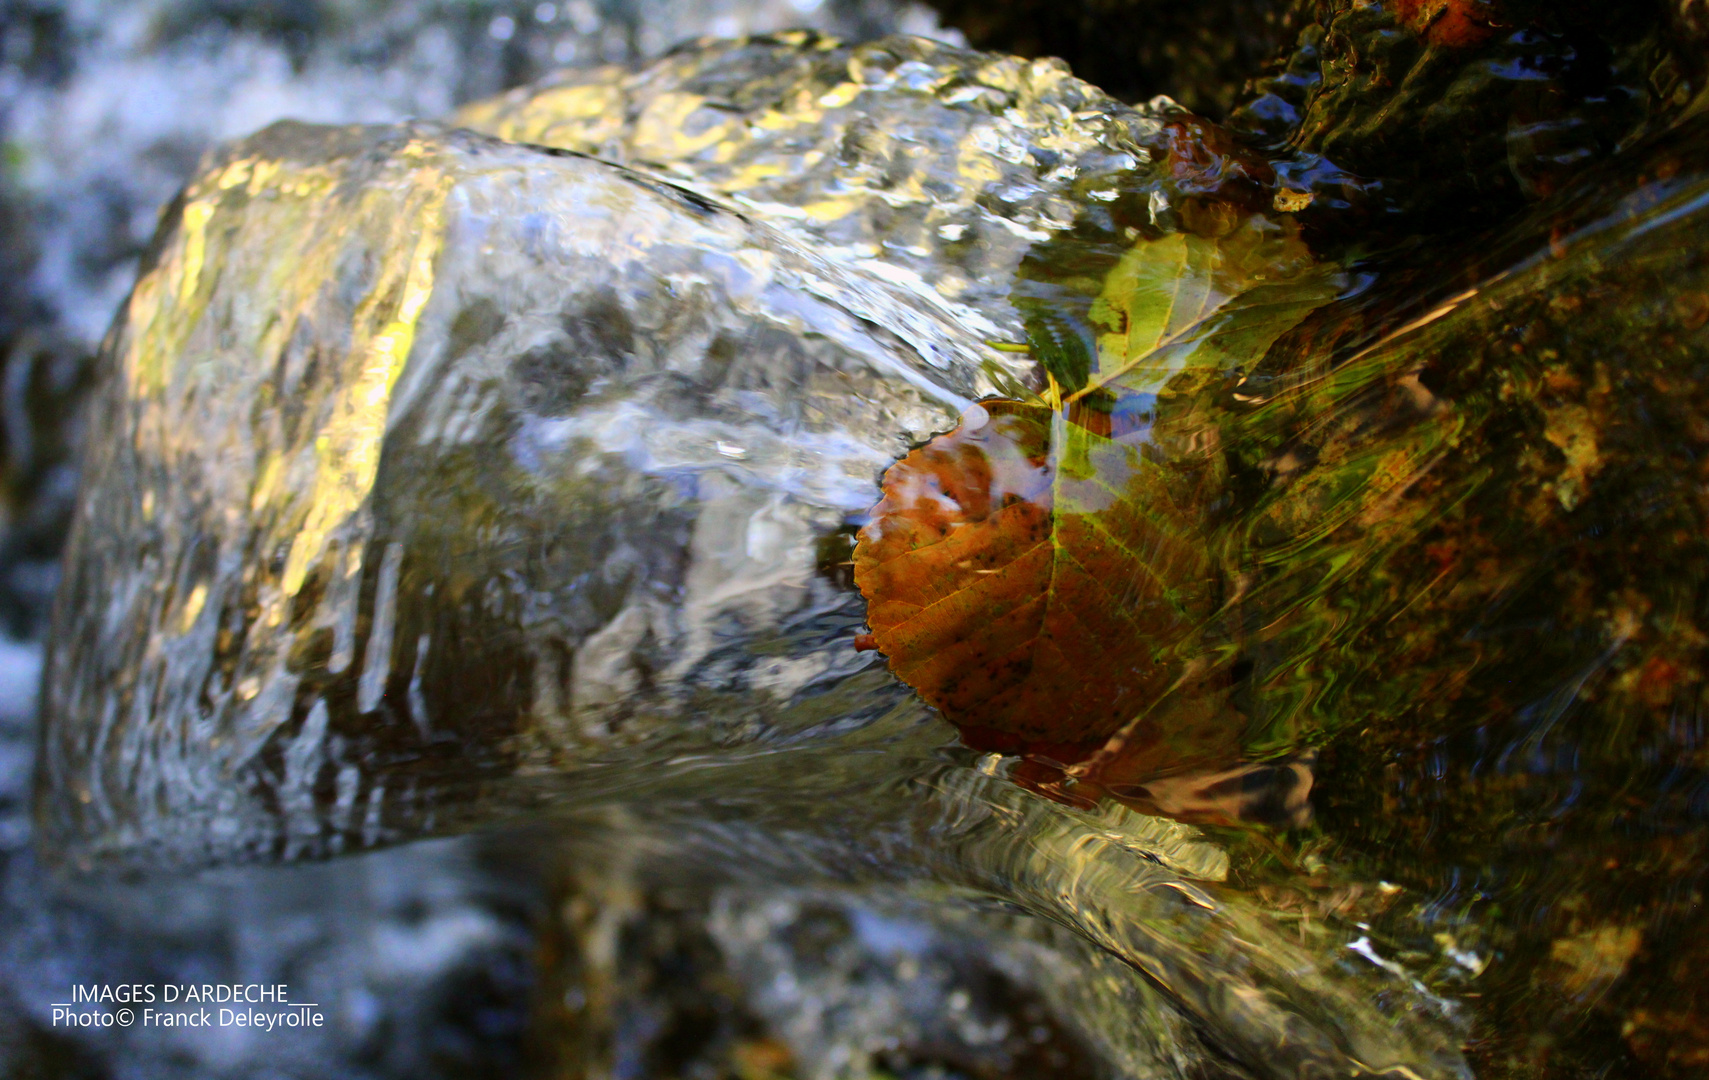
502,475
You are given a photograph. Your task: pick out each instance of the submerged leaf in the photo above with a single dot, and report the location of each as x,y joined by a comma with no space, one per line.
1026,575
1193,300
1031,572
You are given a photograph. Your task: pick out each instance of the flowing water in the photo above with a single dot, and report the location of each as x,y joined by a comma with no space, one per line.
500,476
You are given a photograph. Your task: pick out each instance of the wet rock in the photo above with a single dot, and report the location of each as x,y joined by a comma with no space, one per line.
769,981
1463,111
628,414
639,411
927,165
451,478
1459,520
1200,54
106,110
108,106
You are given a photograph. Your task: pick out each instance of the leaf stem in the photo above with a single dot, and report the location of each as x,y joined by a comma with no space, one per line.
1102,380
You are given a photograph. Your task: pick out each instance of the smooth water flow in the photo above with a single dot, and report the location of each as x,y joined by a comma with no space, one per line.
898,519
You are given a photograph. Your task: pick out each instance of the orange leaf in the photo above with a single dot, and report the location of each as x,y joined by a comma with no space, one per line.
1029,577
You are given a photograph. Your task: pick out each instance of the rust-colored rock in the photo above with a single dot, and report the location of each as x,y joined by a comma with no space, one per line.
1455,23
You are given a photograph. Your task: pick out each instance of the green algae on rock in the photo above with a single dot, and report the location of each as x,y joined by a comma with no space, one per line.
1462,550
1462,111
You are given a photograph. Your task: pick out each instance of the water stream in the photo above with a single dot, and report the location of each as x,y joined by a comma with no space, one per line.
472,503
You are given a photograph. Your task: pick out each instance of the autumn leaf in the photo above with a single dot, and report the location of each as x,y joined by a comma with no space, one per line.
1031,572
1026,575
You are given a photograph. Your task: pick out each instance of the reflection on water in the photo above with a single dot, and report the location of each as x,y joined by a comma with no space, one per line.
1314,605
1461,556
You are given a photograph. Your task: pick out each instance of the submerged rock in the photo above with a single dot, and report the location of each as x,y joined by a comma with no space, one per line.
455,475
1464,110
594,495
447,477
626,417
1202,54
928,166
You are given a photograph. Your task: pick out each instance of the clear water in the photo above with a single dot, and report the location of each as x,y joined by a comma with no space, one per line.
534,521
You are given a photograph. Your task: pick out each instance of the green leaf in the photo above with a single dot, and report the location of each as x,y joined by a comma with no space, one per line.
1190,301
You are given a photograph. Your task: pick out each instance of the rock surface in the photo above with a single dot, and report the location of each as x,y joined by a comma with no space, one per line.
628,418
460,476
450,477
